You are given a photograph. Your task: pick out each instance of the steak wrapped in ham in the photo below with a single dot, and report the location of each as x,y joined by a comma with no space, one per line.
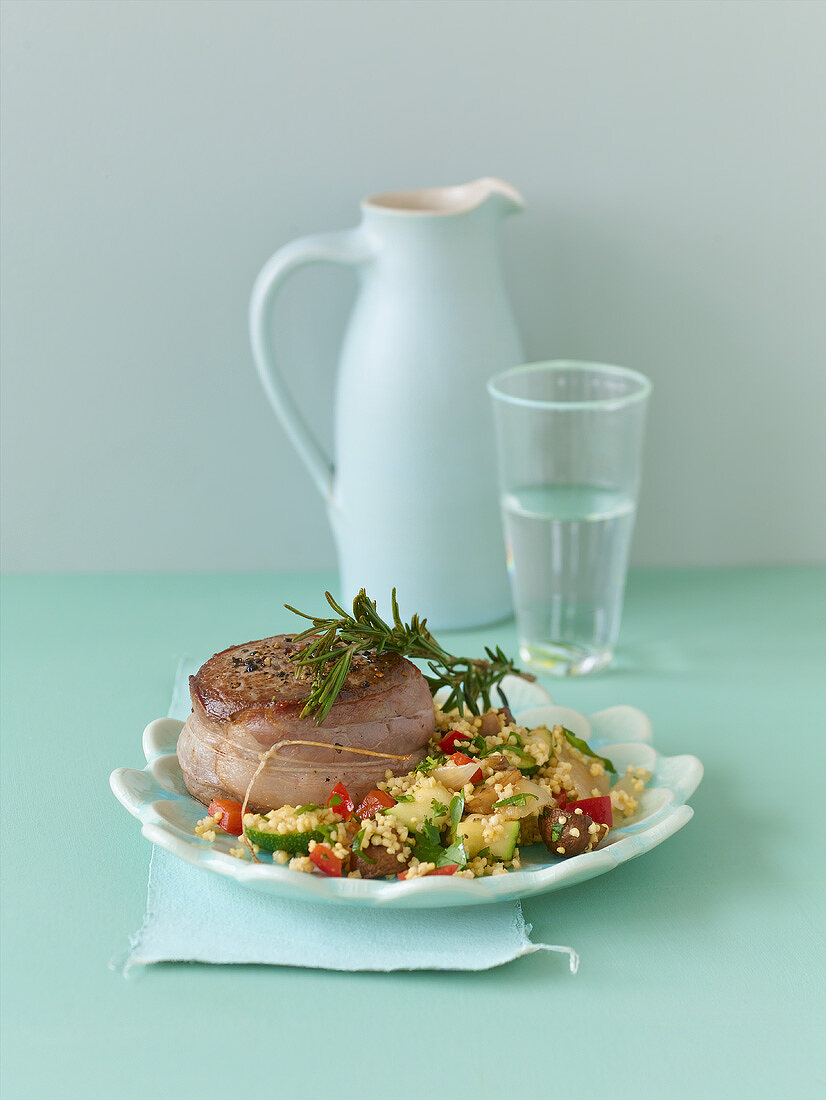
248,698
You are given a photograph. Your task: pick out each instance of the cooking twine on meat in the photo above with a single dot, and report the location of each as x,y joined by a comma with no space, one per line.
318,744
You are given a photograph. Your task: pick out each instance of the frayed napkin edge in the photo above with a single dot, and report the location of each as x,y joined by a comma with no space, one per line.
128,960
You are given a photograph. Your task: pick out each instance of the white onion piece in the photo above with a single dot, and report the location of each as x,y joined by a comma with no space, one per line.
532,805
455,776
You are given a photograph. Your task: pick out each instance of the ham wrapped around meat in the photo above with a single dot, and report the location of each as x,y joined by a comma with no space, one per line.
248,698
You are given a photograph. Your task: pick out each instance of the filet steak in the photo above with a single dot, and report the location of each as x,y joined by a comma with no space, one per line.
249,697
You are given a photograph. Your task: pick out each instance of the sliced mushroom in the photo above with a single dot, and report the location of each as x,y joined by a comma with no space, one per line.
482,802
567,833
507,716
498,763
491,723
383,862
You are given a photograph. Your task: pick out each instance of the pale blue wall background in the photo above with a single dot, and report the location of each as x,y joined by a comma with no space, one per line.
154,154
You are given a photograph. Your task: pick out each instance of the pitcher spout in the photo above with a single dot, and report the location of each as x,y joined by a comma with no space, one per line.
497,192
499,195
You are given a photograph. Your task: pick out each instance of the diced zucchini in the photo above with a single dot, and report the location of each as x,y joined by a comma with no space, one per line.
407,813
412,814
504,847
470,831
284,842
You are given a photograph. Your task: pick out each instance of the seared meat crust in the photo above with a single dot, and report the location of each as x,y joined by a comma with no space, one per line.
262,674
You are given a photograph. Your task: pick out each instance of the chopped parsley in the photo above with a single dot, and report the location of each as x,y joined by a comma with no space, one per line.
426,766
454,853
484,748
520,799
429,848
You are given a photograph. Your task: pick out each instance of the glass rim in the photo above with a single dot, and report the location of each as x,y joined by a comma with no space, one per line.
553,365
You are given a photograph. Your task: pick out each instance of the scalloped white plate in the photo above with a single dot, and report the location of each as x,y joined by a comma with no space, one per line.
158,798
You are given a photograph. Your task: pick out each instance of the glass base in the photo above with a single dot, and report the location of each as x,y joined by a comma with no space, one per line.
563,658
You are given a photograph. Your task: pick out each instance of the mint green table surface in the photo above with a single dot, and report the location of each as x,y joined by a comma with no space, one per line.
702,962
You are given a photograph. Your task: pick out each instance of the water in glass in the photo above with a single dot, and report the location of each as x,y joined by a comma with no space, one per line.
567,556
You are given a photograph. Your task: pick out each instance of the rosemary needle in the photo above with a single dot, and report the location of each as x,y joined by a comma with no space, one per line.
335,641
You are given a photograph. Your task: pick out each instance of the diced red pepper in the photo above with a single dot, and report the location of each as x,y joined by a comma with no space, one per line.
459,758
326,860
448,742
451,869
598,809
230,812
340,800
374,801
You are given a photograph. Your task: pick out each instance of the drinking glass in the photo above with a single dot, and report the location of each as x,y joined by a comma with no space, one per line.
569,438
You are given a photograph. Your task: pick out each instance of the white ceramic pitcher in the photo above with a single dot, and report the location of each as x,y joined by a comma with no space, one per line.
412,495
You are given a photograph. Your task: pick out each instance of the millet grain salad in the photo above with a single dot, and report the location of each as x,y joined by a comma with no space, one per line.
487,786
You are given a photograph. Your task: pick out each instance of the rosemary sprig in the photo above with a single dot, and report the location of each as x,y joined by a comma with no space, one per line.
335,641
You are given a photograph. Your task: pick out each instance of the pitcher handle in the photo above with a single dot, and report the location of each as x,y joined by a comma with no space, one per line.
349,247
